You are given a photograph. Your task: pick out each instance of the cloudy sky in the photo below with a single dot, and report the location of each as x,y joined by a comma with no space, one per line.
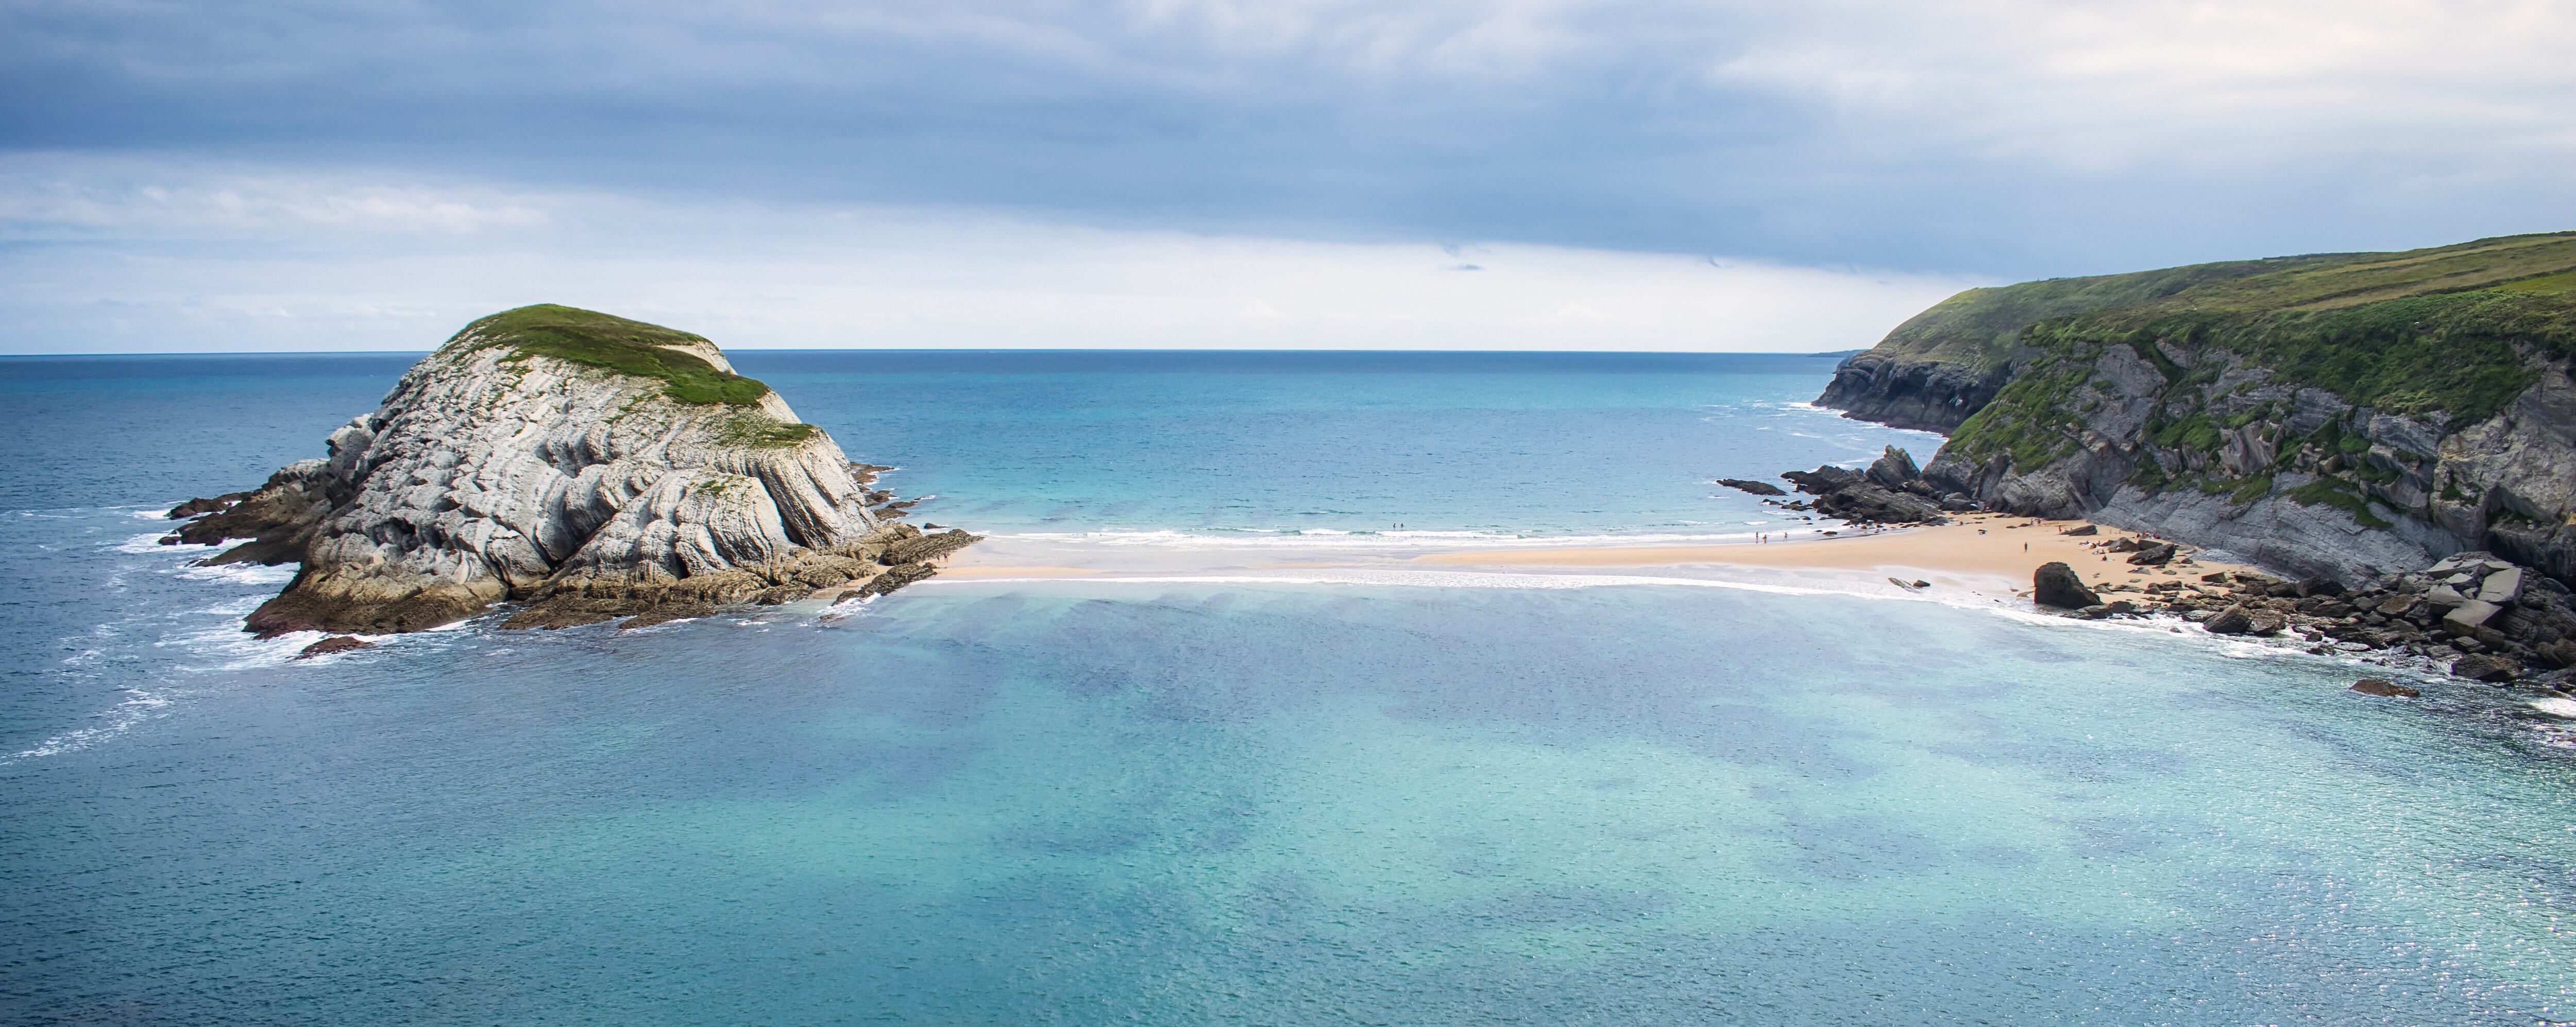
1564,174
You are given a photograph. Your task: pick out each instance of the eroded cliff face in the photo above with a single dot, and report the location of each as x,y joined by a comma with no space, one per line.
584,465
2224,453
1943,365
1911,392
2352,416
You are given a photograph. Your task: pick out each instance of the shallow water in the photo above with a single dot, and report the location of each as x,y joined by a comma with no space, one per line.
1221,801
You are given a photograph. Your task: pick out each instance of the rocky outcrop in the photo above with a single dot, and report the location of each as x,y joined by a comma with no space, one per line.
1912,392
1890,491
1946,363
2350,416
584,465
2520,625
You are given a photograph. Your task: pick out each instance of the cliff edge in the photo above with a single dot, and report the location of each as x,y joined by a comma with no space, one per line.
585,465
2349,416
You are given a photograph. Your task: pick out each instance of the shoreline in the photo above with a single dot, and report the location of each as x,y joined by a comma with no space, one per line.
1978,561
1977,557
1991,555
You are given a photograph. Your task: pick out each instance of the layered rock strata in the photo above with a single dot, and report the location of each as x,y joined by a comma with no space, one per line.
583,465
2349,416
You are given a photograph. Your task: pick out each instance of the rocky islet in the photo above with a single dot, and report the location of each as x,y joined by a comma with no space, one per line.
581,465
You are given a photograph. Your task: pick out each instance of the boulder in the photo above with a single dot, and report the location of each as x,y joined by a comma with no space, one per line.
2234,620
2153,556
2470,616
2485,667
2384,689
2558,652
2113,608
2444,596
2086,530
2265,623
2056,584
2501,587
1759,488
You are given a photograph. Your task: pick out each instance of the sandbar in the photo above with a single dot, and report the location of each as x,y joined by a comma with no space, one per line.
1986,552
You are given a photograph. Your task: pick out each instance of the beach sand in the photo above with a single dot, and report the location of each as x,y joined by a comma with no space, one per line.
1991,554
1979,556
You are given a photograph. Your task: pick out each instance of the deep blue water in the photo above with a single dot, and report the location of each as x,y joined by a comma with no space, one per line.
1187,803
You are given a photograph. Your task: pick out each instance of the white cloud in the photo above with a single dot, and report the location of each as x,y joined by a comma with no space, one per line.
285,269
2240,84
59,194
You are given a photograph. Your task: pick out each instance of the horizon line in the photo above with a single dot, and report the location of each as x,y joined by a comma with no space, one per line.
999,349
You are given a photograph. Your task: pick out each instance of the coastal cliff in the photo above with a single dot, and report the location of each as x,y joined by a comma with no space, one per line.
584,465
2346,416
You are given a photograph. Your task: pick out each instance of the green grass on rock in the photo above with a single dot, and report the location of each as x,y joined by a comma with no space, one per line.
616,344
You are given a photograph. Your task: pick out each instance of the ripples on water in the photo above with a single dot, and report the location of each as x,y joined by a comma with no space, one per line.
1192,801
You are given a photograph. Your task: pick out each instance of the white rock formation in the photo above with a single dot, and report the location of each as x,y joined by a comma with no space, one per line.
512,463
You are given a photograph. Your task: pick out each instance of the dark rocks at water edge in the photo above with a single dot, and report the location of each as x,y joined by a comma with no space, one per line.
2385,689
2480,618
1890,491
1759,488
583,465
2056,584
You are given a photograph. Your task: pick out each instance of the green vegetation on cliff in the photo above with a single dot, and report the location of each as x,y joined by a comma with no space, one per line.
2456,330
616,344
2319,314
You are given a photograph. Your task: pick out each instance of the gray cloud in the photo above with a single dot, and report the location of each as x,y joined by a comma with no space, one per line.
2005,137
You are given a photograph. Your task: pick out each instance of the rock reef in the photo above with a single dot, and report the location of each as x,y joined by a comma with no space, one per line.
2471,614
582,465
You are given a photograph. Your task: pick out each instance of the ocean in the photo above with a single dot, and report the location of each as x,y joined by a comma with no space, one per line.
1208,796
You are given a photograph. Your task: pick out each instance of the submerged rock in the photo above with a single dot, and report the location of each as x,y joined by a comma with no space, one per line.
587,465
334,644
1759,488
2384,689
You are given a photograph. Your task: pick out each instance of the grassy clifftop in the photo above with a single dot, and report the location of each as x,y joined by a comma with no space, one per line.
2452,329
616,344
2447,336
1985,328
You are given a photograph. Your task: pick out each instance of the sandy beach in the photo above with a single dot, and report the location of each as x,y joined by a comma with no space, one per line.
1982,555
1991,554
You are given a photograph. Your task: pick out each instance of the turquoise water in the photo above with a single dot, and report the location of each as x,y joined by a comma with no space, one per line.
1506,799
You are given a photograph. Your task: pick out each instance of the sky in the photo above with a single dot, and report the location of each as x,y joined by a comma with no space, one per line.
1417,174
